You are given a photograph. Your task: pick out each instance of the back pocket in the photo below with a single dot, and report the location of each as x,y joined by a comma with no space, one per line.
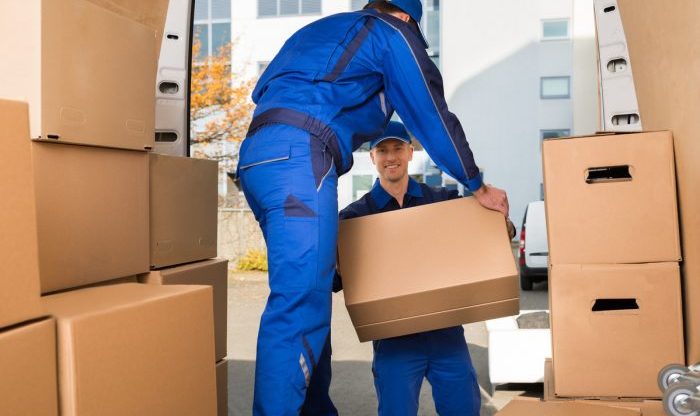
261,150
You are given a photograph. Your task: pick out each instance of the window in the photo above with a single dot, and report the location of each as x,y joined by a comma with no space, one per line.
555,29
262,66
212,25
555,133
361,184
272,8
555,87
357,4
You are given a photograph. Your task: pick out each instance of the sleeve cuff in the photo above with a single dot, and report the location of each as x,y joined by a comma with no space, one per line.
475,183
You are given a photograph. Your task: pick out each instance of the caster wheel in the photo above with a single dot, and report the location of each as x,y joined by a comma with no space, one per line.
678,398
669,375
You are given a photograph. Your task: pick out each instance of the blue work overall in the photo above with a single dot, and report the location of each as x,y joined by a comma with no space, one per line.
333,85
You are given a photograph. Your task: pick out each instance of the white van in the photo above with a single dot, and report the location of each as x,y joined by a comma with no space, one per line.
534,250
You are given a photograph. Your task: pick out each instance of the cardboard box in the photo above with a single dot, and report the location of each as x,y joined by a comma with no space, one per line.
184,200
529,407
614,327
92,214
134,349
663,43
611,199
222,387
620,111
19,268
212,273
79,90
28,363
476,279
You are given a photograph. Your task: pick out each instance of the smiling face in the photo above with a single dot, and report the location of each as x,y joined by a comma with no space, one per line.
391,158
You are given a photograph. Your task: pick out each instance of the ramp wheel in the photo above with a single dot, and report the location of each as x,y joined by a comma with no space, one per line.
678,400
669,375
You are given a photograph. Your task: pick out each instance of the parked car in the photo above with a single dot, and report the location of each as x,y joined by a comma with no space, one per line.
534,250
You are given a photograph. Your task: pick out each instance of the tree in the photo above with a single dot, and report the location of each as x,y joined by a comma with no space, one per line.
220,108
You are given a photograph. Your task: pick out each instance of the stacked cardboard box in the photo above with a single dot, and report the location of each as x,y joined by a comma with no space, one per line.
477,279
615,294
27,341
79,219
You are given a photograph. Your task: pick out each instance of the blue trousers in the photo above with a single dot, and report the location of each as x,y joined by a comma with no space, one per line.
290,183
441,356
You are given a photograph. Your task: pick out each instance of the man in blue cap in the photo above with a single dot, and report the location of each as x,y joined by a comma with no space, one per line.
441,356
334,85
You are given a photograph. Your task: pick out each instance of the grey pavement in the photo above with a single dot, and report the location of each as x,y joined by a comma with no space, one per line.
352,389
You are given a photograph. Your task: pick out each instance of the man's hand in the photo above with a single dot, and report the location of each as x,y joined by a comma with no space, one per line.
492,198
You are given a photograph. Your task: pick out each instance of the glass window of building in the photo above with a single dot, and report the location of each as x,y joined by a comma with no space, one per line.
361,184
272,8
212,25
555,87
554,133
555,29
357,4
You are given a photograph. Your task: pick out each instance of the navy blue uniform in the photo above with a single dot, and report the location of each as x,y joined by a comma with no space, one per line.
441,356
333,85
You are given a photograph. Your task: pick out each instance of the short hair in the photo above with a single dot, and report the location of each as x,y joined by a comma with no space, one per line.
386,7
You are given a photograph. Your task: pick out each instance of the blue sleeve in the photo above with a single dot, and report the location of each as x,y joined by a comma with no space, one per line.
413,85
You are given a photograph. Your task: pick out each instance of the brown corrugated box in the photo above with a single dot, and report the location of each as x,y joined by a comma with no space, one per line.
134,349
183,200
614,327
19,268
426,267
530,407
213,273
28,363
663,45
92,214
632,218
87,68
222,387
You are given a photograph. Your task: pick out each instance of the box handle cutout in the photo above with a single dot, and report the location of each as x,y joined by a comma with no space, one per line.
625,119
602,305
173,37
602,174
53,136
617,65
166,136
168,87
609,9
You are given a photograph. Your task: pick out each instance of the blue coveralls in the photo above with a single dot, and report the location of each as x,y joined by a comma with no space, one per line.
333,85
441,356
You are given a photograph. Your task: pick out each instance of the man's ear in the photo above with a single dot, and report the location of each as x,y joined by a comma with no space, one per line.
410,152
401,15
371,156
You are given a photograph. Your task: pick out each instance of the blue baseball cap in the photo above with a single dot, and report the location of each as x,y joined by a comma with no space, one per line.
413,8
394,130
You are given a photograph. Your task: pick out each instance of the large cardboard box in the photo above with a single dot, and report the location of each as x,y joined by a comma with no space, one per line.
427,267
19,268
92,214
530,407
222,387
133,349
663,43
86,67
614,327
611,199
184,200
28,363
212,273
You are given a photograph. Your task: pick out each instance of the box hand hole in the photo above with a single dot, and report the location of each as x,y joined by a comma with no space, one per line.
625,119
603,305
168,87
617,65
609,9
619,173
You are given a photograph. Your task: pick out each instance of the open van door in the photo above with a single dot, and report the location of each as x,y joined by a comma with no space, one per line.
173,81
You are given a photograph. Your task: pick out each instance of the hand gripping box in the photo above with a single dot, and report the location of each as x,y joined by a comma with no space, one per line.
134,349
614,327
212,273
611,199
183,204
19,265
427,267
86,67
